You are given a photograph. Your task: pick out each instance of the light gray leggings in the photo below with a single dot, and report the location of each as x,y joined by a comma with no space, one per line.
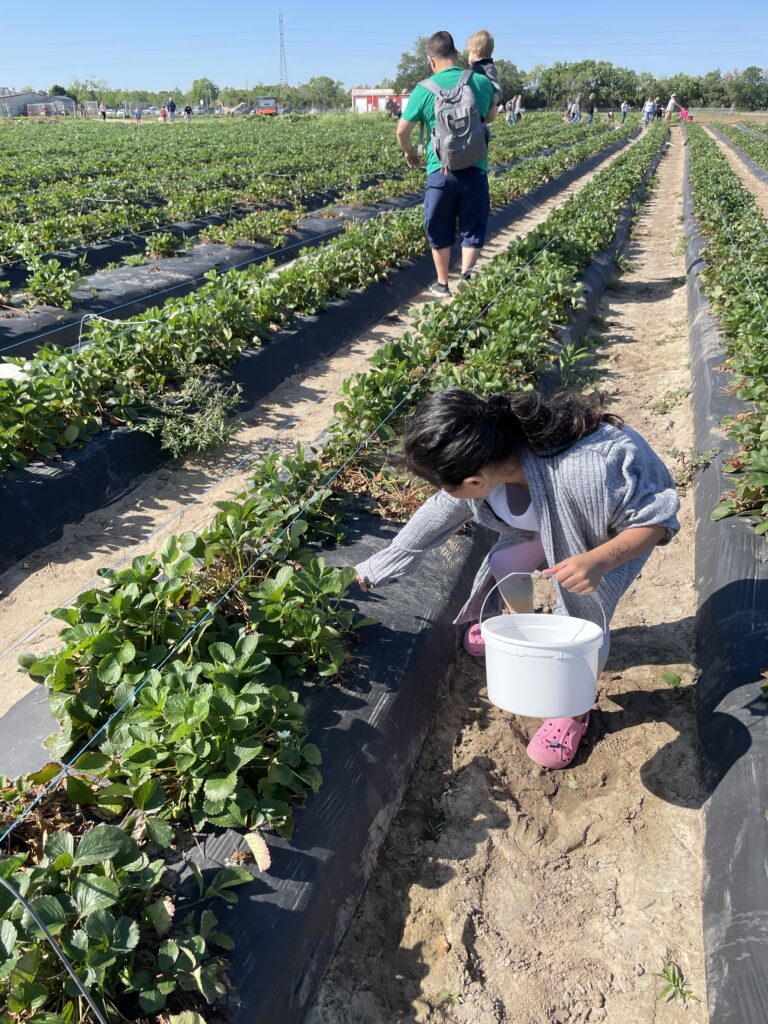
518,591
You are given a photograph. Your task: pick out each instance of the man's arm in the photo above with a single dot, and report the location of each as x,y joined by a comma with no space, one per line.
492,112
403,136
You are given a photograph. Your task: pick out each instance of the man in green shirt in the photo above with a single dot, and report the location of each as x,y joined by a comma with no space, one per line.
454,195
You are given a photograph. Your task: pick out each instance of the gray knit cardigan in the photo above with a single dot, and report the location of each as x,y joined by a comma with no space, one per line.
607,482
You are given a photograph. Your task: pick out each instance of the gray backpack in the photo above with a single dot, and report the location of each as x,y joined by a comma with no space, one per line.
459,138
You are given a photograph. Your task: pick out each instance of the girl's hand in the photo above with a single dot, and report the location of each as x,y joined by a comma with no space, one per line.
361,583
581,574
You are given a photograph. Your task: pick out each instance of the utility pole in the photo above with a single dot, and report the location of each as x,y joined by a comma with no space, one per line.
283,64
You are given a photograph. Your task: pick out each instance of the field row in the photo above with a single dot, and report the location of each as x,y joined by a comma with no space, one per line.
736,282
752,145
76,183
197,645
124,375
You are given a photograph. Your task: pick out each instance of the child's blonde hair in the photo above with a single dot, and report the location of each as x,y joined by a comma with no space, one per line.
481,43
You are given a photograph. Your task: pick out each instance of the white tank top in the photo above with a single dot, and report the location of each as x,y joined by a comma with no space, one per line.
499,501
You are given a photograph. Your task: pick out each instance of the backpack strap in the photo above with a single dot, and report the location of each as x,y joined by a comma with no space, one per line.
435,89
432,87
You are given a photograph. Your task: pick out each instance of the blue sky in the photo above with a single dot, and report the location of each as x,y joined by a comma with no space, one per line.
158,45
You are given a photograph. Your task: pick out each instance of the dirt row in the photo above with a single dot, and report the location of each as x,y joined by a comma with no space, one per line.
178,498
505,892
758,188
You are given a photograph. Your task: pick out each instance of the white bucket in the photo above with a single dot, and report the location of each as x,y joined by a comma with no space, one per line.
544,666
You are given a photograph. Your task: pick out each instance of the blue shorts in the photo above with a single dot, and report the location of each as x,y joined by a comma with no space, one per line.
456,196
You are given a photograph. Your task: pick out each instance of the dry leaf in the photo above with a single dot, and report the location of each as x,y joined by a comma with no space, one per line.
160,913
570,779
259,849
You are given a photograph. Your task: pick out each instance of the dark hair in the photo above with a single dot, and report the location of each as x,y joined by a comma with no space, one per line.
441,45
452,434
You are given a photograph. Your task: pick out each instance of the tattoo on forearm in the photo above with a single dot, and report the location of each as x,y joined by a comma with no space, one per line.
617,550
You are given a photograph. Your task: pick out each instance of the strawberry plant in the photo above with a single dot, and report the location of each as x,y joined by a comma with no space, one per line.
198,647
52,284
752,145
124,375
281,620
76,185
736,282
163,243
125,933
268,226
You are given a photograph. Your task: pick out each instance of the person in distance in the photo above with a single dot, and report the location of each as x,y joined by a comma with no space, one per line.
457,182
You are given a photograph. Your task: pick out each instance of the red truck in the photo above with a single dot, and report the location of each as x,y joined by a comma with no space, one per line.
266,105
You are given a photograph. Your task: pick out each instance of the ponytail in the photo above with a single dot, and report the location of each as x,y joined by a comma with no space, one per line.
453,434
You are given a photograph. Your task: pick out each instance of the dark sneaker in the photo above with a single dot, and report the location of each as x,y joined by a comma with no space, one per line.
465,278
440,291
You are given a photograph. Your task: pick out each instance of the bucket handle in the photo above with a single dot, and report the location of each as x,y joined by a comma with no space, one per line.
496,584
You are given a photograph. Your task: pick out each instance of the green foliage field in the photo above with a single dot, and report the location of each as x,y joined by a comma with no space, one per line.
177,670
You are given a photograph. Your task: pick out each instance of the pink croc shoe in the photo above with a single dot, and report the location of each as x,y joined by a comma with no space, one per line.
554,745
473,642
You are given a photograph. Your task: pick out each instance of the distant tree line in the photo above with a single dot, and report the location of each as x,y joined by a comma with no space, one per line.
319,92
542,86
550,86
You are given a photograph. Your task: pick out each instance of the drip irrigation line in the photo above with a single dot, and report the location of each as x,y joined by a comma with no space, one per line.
166,291
196,280
140,543
124,325
396,176
212,607
151,228
57,950
236,266
267,549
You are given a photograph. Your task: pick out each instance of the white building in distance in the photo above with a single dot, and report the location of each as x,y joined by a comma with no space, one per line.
14,104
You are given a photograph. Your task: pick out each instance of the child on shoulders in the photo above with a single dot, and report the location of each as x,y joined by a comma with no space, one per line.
480,48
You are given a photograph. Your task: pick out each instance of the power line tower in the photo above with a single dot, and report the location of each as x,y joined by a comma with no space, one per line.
283,64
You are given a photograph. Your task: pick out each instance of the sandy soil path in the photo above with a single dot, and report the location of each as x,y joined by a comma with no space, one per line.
758,188
755,118
505,892
175,499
